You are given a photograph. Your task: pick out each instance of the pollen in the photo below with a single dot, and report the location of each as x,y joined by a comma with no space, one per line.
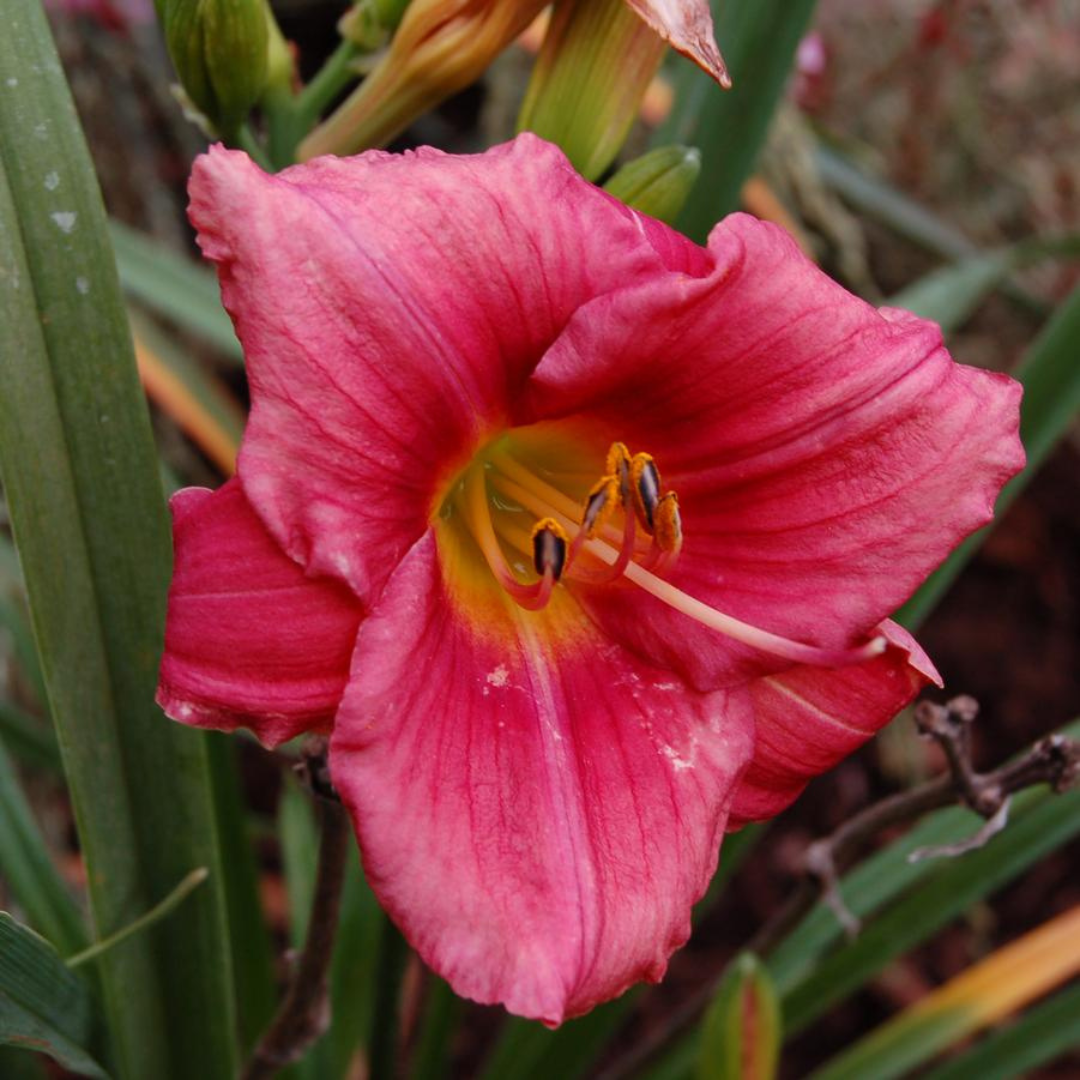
602,501
618,466
668,524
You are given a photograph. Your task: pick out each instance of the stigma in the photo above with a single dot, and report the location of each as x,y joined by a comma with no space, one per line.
627,529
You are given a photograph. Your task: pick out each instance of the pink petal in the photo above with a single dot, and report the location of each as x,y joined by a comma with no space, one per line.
807,719
826,456
676,252
390,307
250,641
536,808
688,27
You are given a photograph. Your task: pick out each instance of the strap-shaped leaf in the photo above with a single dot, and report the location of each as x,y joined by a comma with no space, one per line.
43,1006
86,505
29,872
729,126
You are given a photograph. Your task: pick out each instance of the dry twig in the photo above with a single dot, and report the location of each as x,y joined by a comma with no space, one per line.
304,1014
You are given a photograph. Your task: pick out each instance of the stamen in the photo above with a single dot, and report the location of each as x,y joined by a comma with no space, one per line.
618,465
543,500
477,516
668,525
601,502
645,487
549,542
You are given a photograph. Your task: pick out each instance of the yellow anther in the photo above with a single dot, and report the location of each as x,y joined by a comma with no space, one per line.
645,489
549,544
600,504
668,524
618,465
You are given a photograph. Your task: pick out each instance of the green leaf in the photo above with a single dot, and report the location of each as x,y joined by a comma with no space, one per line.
658,183
1041,824
252,954
729,126
740,1035
29,872
1051,379
951,295
179,288
30,739
442,1010
979,997
14,618
354,989
195,399
87,512
1037,1037
43,1006
299,840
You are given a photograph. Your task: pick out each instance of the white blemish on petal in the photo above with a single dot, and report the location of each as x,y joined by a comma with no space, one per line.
499,677
678,763
52,181
83,285
65,220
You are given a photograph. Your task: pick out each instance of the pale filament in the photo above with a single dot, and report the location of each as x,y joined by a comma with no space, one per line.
541,499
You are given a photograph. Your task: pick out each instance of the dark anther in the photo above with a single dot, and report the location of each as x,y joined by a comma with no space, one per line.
646,478
549,548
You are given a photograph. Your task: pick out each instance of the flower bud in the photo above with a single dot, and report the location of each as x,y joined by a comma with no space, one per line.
368,23
659,182
220,51
440,48
596,62
740,1035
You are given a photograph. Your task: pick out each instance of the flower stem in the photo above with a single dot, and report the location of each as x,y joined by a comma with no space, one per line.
332,78
304,1015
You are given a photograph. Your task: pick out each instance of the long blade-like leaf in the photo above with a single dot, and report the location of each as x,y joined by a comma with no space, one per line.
729,127
1039,1036
29,872
175,287
87,512
985,993
43,1006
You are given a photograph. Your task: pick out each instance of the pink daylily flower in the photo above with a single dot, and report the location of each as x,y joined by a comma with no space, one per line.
447,355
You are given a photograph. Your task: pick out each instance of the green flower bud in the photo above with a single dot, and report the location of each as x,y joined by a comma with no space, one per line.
659,182
596,62
220,51
369,23
740,1035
